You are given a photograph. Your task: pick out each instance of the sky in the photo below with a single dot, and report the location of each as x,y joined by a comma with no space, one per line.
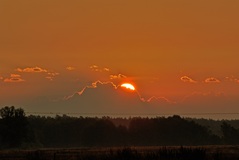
60,56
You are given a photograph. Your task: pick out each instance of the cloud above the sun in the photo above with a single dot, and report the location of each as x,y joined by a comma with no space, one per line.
187,79
119,76
212,80
49,74
32,70
96,68
70,68
14,78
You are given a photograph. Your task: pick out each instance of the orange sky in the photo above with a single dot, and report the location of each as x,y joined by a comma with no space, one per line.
185,51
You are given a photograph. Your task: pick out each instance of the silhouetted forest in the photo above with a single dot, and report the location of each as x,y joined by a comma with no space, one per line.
18,130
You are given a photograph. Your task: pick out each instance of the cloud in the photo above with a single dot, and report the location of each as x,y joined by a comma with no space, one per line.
232,79
69,68
110,84
212,80
32,70
106,69
96,68
108,98
160,100
14,78
117,76
93,85
187,79
51,75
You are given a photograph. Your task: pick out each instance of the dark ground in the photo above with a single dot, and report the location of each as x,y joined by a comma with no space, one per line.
122,153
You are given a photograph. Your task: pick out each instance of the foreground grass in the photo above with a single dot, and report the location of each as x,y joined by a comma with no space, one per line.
129,153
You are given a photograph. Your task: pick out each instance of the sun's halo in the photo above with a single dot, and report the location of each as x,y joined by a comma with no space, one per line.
128,86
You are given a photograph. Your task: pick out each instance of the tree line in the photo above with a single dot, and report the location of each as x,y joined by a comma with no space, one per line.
18,130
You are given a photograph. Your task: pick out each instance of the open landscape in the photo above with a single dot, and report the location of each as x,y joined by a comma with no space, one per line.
119,79
71,138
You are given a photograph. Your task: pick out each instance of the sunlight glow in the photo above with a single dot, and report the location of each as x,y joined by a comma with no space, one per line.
128,86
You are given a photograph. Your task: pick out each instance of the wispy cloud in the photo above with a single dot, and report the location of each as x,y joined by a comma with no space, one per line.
69,68
117,76
212,80
96,68
93,85
232,79
106,69
51,75
159,99
187,79
14,78
31,70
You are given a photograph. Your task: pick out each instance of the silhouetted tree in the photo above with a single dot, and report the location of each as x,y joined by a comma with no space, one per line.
65,131
13,124
230,134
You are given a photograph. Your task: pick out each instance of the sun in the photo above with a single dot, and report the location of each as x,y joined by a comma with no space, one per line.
128,86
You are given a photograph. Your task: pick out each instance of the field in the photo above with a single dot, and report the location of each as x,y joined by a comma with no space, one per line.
127,153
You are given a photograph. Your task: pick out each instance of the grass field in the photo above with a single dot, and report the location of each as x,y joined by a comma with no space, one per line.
127,153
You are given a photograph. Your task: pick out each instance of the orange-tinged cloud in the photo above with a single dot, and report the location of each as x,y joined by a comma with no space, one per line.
50,78
212,80
159,99
95,84
51,75
106,69
96,68
14,78
69,68
117,76
32,70
187,79
232,79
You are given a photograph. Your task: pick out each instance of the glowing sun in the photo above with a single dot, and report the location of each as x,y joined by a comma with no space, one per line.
128,86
